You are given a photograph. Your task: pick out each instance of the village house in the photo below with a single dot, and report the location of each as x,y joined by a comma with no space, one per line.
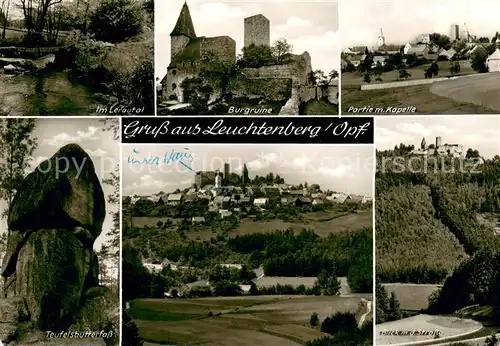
152,267
354,199
337,198
198,220
231,266
420,50
175,199
286,200
317,202
261,202
271,191
224,213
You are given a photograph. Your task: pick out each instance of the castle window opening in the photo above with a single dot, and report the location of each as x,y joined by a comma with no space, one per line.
174,86
174,72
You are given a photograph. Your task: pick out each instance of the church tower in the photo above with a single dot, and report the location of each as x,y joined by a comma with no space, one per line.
423,145
183,32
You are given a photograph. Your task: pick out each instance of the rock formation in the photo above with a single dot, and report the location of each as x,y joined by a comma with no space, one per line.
50,269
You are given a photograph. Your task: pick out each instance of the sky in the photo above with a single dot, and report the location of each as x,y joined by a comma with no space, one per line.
310,26
346,169
403,20
471,131
88,133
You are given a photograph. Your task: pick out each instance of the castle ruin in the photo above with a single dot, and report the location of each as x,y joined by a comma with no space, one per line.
257,31
454,150
191,54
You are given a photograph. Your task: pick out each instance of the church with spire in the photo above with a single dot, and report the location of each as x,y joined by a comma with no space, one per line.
190,52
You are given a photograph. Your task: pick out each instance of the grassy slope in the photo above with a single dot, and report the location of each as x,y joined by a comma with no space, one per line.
276,320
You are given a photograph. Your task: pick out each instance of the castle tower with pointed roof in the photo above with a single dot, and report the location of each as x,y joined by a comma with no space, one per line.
183,32
188,53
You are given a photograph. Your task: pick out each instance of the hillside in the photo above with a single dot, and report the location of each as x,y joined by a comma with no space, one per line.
430,218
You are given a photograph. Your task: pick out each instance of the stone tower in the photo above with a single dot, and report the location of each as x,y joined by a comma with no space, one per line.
182,33
423,145
438,142
257,31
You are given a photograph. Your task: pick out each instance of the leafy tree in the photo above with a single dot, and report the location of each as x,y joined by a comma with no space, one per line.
403,73
255,56
109,252
454,67
367,77
382,303
116,20
393,311
478,62
339,322
130,332
282,51
314,320
432,70
440,40
17,145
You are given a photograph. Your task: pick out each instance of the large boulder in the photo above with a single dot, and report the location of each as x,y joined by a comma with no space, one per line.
63,192
52,269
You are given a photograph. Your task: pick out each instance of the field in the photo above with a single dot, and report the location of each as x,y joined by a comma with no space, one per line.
355,79
412,296
261,320
268,281
425,101
447,327
461,96
323,223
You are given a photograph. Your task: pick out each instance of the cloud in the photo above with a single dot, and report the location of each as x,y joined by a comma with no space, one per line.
414,128
301,162
149,184
210,13
80,136
336,172
324,49
264,160
98,152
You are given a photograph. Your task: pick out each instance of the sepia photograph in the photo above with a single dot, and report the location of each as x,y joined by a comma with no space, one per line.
437,231
420,57
248,245
247,58
60,210
76,57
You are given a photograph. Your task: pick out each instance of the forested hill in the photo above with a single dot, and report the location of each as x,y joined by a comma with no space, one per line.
433,212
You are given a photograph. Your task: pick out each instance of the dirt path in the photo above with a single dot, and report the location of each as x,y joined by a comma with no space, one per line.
369,311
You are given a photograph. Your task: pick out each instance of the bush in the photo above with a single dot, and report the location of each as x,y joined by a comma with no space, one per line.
116,20
314,319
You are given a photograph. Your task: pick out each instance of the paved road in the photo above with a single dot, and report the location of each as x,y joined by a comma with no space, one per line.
481,89
472,342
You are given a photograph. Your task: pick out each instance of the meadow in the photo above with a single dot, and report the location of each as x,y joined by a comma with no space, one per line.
412,296
258,320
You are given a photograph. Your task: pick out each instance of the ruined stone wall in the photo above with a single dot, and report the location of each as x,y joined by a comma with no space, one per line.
299,70
273,89
222,47
178,43
175,77
257,31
